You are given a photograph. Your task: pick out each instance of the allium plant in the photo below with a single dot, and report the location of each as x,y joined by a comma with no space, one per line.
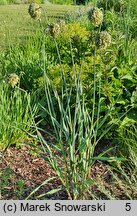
75,130
75,133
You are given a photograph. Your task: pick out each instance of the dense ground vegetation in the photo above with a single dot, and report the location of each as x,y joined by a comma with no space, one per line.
68,81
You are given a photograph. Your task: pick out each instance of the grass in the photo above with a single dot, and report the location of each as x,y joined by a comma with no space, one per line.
16,24
16,118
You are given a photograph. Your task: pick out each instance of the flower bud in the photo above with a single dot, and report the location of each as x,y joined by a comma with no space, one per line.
53,29
103,40
62,25
95,16
13,79
34,11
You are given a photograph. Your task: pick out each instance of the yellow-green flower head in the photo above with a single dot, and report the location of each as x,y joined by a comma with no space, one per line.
13,79
75,31
104,40
34,11
96,16
53,29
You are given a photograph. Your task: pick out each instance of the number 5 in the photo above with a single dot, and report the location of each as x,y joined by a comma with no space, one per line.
128,207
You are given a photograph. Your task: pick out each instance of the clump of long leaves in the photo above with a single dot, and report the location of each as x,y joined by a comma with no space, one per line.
75,133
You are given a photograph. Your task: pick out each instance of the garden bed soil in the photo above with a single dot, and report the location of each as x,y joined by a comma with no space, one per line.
33,170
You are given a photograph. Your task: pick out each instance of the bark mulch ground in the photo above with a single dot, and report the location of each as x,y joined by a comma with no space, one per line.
19,164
